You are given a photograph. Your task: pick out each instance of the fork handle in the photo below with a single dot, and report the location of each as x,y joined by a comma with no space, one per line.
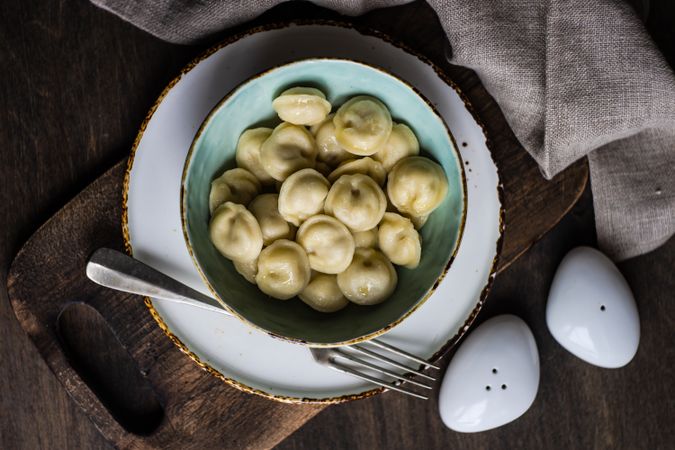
116,270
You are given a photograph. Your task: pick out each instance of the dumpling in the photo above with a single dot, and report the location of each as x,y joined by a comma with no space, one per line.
302,106
247,269
234,185
288,149
302,195
265,208
366,166
367,239
357,201
402,142
328,149
419,221
328,243
235,232
248,153
315,128
416,186
283,270
323,294
369,279
390,205
362,125
399,240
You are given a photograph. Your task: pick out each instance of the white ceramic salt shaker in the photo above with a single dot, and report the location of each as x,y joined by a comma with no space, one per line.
591,310
493,378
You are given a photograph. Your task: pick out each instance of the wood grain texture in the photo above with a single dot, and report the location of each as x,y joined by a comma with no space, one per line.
188,395
578,406
47,276
57,253
76,83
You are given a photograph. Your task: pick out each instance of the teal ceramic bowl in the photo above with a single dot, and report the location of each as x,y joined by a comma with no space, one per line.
213,151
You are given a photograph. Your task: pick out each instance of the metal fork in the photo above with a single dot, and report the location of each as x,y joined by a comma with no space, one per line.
116,270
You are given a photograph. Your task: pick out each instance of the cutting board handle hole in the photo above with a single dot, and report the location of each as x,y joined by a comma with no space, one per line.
110,372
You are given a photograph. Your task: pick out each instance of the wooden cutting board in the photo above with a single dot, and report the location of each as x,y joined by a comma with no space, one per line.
136,386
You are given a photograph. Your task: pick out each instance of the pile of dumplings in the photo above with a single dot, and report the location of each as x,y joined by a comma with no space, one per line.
305,212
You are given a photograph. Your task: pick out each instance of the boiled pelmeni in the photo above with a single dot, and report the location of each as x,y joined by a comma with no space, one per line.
328,243
323,294
369,279
265,208
288,149
367,239
399,240
302,195
248,153
419,221
328,149
302,106
283,270
362,125
234,185
402,142
416,186
235,232
366,166
357,201
247,269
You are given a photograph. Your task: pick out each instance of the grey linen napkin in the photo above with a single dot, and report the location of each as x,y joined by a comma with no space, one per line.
573,78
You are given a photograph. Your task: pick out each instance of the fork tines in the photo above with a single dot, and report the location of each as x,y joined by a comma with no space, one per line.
333,356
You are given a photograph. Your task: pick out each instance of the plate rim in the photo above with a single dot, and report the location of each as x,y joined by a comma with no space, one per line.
278,25
446,266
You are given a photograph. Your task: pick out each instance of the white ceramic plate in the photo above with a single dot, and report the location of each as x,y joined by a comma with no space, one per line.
249,359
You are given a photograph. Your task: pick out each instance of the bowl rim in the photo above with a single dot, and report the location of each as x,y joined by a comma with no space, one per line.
366,31
183,205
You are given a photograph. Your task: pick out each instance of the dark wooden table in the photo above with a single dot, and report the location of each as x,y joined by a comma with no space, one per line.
76,83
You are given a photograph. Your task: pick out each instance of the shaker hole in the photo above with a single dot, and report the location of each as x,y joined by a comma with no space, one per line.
503,387
602,307
494,370
487,388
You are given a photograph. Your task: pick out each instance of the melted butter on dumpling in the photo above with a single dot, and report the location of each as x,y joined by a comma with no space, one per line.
328,149
399,240
328,243
235,232
283,270
288,149
323,294
248,153
366,166
302,195
417,186
302,106
402,142
265,208
357,201
362,125
369,279
234,185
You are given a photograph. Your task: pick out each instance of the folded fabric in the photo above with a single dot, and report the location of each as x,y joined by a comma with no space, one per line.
577,78
573,78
